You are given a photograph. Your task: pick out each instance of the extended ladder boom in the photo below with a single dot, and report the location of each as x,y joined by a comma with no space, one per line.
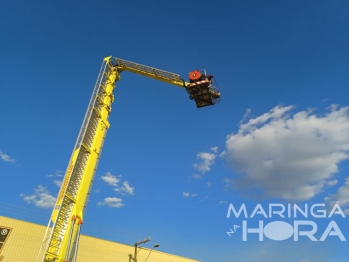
201,89
151,72
62,234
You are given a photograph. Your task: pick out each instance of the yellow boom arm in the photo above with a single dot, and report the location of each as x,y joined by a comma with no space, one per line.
151,72
62,234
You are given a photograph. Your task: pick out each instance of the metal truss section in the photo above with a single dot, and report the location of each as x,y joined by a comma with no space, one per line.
58,225
101,79
78,172
150,72
91,129
61,238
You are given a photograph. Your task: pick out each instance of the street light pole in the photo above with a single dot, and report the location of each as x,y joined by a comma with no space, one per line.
136,245
157,245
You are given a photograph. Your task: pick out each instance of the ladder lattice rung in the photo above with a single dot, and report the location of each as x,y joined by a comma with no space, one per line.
148,70
86,135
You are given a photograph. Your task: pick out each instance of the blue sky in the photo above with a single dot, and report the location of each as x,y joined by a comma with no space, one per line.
169,171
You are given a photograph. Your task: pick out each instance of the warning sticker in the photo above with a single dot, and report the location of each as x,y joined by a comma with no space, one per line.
4,233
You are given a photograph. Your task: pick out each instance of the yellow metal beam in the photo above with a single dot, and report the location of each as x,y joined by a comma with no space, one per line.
79,176
151,72
63,231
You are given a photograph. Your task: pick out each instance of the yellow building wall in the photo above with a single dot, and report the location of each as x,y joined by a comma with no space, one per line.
24,240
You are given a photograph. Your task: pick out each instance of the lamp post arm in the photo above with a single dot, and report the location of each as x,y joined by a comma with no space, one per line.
148,255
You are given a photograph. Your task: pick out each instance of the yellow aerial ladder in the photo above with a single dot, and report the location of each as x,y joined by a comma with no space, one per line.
61,238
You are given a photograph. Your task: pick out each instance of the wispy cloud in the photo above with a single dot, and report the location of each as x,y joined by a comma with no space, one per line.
197,176
222,202
332,182
111,202
120,187
247,113
206,160
110,179
41,198
187,194
214,149
341,196
288,156
6,158
57,173
125,189
209,184
204,199
57,182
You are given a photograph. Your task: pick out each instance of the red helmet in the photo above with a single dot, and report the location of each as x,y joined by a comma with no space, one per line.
195,75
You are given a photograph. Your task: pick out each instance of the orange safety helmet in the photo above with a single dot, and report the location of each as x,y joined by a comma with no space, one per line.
194,75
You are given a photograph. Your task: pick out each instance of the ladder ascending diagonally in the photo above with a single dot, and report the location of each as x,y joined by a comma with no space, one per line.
63,230
61,238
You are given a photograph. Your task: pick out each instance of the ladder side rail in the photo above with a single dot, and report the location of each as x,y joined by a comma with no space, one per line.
45,238
151,72
58,207
94,173
80,189
98,84
83,165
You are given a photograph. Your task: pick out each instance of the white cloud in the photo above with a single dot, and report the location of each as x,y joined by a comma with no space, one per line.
222,202
288,156
341,196
185,194
110,179
112,202
204,199
209,184
196,176
332,182
57,182
41,198
58,173
207,159
125,189
214,149
6,158
247,113
129,190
